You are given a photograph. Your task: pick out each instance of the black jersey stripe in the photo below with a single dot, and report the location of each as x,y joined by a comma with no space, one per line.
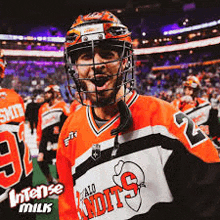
197,108
13,123
125,149
52,111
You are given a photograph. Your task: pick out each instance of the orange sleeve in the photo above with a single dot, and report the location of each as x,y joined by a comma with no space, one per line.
179,126
74,105
196,141
66,202
176,103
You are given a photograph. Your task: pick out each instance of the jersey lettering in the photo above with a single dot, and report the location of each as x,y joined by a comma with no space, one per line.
11,112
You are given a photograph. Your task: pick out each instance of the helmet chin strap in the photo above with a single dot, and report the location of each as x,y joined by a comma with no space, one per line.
125,118
125,123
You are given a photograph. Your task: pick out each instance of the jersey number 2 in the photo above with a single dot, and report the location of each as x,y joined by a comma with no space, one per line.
193,135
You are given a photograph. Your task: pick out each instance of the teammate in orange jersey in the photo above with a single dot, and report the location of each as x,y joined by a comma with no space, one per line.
16,167
127,156
198,109
51,117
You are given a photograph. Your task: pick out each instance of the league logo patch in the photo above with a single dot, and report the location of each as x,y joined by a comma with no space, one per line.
96,151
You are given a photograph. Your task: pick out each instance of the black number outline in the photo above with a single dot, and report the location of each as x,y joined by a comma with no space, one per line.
17,159
194,135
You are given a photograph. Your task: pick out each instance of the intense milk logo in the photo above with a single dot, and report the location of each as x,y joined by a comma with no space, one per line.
27,194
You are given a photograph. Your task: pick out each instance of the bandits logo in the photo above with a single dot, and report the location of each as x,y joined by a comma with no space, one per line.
130,170
129,178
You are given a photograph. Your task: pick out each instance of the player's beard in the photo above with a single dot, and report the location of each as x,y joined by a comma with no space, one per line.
104,97
49,99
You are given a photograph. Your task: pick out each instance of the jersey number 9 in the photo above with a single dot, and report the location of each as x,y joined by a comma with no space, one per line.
11,161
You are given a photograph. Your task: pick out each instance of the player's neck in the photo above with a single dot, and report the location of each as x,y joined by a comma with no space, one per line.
106,112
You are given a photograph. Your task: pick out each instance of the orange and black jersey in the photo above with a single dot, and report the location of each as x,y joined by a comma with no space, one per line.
201,113
50,122
15,161
197,110
160,165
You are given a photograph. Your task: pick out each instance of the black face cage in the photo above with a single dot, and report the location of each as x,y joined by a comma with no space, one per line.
125,78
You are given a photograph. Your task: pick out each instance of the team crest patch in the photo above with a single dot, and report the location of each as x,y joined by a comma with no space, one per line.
96,151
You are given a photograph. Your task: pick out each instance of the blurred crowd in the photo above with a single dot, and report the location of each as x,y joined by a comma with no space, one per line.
30,77
162,75
169,82
177,39
159,74
164,84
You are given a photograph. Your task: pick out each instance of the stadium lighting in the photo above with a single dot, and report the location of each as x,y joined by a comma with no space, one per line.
31,38
32,53
139,51
177,47
59,54
192,28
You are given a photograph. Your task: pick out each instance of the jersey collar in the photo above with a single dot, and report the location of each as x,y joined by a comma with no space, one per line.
96,130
